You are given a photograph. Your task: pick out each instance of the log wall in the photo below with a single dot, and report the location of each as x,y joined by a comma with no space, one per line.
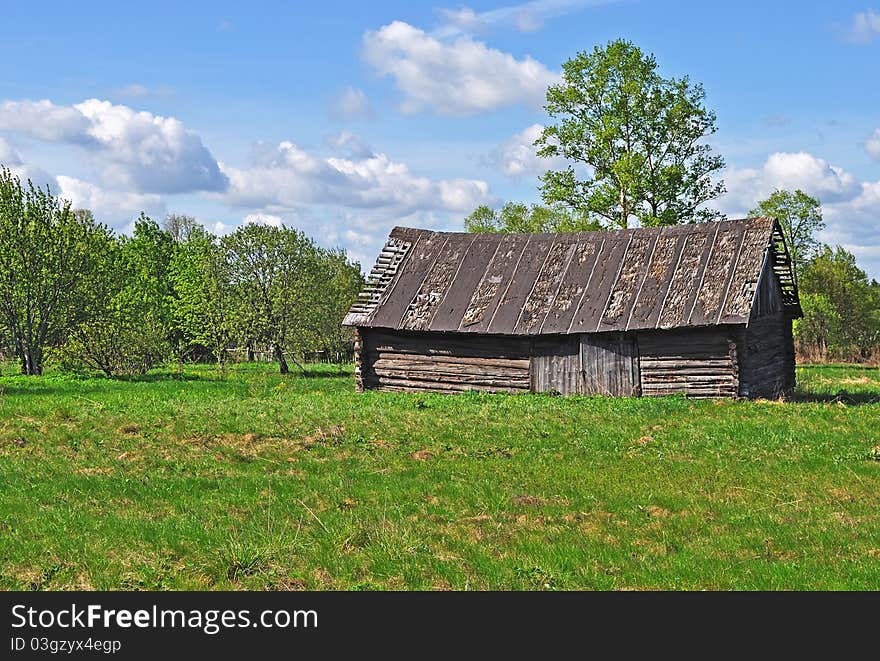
431,362
757,361
694,362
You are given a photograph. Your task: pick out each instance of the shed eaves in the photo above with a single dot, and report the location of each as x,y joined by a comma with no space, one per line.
701,274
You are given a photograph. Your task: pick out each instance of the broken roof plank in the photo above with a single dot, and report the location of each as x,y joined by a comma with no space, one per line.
421,257
629,281
420,313
575,281
539,302
493,284
664,258
521,284
605,274
717,274
472,270
688,274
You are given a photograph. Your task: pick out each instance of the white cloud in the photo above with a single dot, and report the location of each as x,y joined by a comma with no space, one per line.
349,144
44,120
525,17
865,27
851,209
287,176
135,90
351,103
517,156
264,219
10,158
855,224
872,146
145,152
8,155
789,170
460,77
116,208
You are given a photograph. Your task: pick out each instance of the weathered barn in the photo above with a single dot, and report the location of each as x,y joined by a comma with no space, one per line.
702,309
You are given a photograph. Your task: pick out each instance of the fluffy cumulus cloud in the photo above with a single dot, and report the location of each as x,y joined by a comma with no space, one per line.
788,170
851,208
138,150
288,176
264,219
116,208
517,156
865,27
351,103
457,77
12,159
872,145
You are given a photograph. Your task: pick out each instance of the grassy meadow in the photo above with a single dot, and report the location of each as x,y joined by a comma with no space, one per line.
253,480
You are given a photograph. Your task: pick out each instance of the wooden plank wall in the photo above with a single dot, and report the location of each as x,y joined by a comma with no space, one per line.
695,362
610,364
556,364
768,298
428,362
767,357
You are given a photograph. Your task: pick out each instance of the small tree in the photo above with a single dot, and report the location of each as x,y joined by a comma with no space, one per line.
819,328
204,307
800,217
130,325
639,136
517,217
834,276
339,285
180,227
276,280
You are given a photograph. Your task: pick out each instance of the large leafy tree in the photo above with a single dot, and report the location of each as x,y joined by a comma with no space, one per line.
275,279
50,258
800,216
639,135
518,217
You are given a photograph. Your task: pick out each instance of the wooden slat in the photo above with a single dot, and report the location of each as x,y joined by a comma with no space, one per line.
420,313
575,281
667,250
457,299
592,304
522,283
624,292
540,300
421,256
607,363
492,286
717,276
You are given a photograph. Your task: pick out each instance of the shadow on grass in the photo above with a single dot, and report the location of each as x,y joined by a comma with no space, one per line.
842,397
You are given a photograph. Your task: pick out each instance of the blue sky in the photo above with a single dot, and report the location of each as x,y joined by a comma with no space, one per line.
344,119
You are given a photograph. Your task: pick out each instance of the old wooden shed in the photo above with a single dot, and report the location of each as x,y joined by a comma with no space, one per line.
702,309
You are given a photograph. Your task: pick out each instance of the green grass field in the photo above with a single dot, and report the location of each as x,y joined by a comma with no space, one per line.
258,481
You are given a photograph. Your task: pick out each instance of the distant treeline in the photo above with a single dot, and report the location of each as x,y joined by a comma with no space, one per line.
74,293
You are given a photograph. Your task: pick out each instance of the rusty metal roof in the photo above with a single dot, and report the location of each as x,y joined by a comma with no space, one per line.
701,274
